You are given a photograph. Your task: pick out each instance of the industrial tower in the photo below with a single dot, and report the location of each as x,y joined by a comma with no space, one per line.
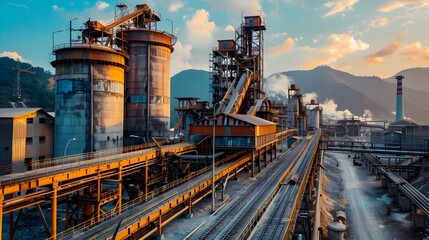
237,67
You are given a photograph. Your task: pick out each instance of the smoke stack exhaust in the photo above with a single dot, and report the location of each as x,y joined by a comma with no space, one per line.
399,98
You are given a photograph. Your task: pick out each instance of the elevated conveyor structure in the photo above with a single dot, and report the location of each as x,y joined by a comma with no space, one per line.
54,178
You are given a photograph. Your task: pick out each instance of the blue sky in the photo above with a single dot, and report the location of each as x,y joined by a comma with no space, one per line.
363,37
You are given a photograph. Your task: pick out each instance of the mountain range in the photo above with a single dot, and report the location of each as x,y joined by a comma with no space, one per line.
337,91
340,93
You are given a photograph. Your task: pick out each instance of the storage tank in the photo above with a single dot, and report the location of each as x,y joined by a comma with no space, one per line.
147,85
292,105
313,112
89,98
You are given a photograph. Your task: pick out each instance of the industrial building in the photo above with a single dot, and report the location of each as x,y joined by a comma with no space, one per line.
27,135
113,83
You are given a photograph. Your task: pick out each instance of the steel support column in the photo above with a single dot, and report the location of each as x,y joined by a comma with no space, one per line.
190,206
253,164
11,217
54,211
98,197
119,205
160,223
146,179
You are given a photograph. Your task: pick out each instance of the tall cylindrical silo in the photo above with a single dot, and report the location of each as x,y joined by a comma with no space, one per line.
89,99
147,85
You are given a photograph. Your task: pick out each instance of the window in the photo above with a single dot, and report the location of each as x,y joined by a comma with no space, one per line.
28,141
29,120
42,120
6,148
42,157
42,139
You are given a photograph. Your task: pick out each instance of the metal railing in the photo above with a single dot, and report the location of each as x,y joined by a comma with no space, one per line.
78,161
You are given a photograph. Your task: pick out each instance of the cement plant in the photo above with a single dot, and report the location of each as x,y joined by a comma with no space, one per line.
106,164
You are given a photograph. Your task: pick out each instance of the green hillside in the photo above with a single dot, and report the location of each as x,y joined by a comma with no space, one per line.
188,83
34,88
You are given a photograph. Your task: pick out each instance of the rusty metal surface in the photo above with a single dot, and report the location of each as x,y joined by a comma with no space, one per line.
89,99
148,84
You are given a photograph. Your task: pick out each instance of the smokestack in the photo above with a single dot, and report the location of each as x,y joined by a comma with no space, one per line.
399,98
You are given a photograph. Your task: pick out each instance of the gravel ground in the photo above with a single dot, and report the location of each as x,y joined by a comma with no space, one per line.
356,192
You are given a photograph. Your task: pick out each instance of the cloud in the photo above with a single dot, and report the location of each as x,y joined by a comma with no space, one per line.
175,6
101,5
381,22
277,84
337,47
229,28
339,6
394,5
407,23
416,51
181,57
378,57
13,55
248,7
199,27
277,35
18,5
284,47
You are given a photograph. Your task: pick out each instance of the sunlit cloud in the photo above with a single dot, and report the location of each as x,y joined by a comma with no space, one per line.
339,6
181,57
199,26
407,23
13,55
229,28
380,55
284,47
101,5
381,22
416,51
394,5
336,47
175,6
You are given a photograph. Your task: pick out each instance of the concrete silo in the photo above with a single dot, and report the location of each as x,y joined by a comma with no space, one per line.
89,99
147,86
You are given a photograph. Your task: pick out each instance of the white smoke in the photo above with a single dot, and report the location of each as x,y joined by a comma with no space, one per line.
331,111
277,84
307,97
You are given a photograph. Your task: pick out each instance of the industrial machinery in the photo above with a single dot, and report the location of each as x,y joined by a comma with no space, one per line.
237,71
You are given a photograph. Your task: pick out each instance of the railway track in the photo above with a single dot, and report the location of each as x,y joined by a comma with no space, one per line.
235,222
280,215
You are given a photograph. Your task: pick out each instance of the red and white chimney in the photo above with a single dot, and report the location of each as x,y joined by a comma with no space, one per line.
399,99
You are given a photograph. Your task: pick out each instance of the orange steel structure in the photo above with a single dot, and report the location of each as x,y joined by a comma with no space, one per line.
62,177
59,177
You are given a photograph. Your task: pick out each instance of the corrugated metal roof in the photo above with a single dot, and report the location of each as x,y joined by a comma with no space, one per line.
15,112
251,119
